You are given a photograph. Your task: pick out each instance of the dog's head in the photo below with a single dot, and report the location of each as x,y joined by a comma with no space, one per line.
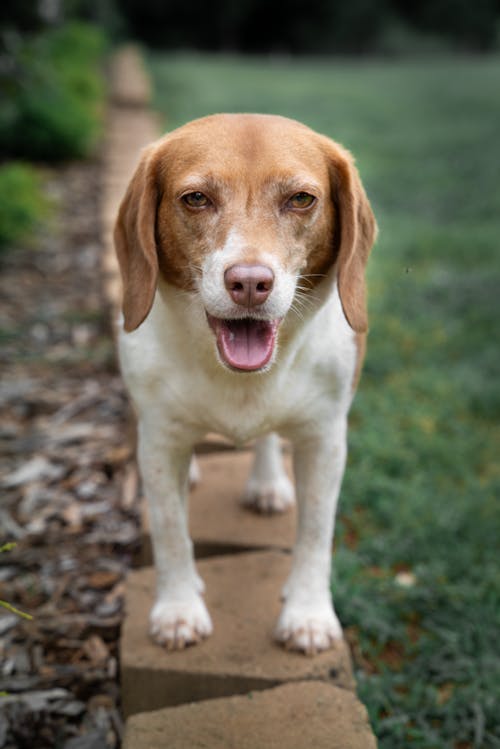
248,211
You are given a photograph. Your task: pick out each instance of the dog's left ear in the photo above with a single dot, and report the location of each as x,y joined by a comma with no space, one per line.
356,233
135,242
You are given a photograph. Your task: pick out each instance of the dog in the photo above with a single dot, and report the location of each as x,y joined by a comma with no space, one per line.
242,242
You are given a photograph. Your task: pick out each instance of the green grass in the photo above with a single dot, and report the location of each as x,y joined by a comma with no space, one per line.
421,491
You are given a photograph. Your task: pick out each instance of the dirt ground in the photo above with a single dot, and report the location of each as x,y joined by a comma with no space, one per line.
68,483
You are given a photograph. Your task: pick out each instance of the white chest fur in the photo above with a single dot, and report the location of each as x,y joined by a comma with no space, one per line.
172,371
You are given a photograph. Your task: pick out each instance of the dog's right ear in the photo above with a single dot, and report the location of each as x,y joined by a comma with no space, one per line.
135,243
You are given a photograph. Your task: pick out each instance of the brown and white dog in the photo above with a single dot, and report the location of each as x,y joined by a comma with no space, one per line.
242,242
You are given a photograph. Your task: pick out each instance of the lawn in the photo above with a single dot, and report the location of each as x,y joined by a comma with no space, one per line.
416,573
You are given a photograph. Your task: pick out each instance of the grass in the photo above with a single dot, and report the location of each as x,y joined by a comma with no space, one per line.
421,492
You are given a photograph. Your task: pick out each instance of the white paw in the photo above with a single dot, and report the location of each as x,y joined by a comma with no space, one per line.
309,629
274,495
178,622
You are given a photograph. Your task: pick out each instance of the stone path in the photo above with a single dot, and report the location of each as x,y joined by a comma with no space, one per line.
236,690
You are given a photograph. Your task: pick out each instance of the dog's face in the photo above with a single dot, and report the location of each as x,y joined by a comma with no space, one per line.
249,212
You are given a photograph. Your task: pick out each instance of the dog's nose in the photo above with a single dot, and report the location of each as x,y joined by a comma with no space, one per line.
249,285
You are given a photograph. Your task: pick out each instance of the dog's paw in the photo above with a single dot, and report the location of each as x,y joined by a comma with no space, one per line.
308,629
176,623
271,496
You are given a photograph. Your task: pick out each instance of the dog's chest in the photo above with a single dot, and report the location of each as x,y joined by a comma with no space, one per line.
177,378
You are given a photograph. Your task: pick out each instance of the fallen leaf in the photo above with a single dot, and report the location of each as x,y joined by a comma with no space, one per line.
103,579
96,650
34,470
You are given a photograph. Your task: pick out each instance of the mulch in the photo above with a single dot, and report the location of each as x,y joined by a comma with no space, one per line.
68,483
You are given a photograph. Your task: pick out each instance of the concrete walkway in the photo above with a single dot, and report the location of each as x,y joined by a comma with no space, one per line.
238,689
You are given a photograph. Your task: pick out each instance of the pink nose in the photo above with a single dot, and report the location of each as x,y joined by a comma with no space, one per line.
249,285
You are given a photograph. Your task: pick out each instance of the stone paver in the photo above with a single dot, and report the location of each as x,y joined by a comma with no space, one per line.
219,524
129,83
305,715
130,127
243,596
129,130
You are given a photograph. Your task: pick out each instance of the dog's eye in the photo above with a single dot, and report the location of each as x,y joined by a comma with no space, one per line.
301,200
196,200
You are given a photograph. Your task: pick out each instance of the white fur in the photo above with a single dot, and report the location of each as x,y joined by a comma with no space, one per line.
213,293
181,391
268,487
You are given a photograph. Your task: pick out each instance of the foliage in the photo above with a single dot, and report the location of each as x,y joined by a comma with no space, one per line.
470,25
28,16
416,581
23,14
258,25
54,93
52,109
319,27
22,202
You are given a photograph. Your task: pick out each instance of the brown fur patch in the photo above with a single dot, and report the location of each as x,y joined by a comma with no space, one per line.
360,358
248,166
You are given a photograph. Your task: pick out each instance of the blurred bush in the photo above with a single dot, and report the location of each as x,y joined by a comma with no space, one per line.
257,25
53,93
325,26
467,25
22,202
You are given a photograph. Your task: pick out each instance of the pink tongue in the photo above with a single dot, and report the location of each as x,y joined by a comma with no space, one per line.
246,344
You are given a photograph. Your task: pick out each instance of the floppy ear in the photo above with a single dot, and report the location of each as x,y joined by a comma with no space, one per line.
356,235
135,243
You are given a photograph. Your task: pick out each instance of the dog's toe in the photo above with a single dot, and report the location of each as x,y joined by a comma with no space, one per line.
174,624
272,496
308,631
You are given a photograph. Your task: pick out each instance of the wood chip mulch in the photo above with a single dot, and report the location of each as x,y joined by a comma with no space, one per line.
68,483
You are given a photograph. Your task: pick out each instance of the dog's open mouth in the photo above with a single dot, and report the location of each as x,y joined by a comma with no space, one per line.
245,344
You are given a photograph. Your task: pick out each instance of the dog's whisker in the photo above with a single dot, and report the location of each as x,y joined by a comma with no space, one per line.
312,275
296,311
306,300
305,297
306,277
306,293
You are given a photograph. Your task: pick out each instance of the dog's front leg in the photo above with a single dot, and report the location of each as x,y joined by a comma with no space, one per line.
179,616
308,621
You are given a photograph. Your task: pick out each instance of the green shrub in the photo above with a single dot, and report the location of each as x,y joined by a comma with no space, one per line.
55,93
22,202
